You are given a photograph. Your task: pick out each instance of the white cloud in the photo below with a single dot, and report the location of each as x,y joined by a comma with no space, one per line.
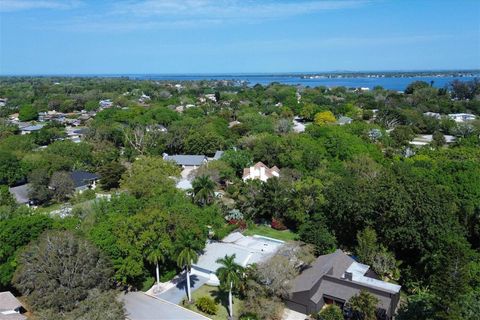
20,5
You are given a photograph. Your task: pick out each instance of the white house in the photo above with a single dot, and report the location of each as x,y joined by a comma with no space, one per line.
247,250
260,172
462,117
432,114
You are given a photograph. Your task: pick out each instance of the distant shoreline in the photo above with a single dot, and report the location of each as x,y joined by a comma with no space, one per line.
331,74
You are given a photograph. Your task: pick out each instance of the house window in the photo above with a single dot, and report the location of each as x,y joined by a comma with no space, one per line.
331,300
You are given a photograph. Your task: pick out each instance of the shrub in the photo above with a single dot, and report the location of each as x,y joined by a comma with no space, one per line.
331,312
207,305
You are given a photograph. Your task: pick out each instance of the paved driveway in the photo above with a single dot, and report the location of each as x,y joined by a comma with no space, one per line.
140,306
179,291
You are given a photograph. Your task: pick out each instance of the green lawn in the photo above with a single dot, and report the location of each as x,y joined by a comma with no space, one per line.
49,208
285,235
221,298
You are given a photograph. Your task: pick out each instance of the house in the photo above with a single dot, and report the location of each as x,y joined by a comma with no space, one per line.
3,102
30,129
234,123
21,194
143,98
247,250
426,139
462,117
218,155
432,115
156,128
84,180
261,172
187,161
211,97
10,307
335,278
107,103
344,120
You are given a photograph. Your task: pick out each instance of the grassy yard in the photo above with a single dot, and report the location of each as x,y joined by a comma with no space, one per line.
49,208
285,235
221,298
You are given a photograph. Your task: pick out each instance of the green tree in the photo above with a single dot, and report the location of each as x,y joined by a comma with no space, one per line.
39,180
55,258
363,306
62,185
27,112
6,198
203,190
110,174
438,139
367,245
15,233
316,233
149,175
451,276
324,117
331,312
10,170
418,306
99,305
237,159
230,275
185,259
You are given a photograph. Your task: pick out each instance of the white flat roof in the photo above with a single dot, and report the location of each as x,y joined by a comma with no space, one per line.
358,271
247,250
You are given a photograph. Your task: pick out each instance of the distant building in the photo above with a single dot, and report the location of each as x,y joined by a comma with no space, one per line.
10,307
21,194
84,180
3,102
30,129
211,97
433,115
234,123
260,172
426,139
344,120
144,98
187,161
334,279
218,155
462,117
107,103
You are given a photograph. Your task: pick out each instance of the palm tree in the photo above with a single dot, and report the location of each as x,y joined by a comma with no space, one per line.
203,190
230,276
185,259
155,254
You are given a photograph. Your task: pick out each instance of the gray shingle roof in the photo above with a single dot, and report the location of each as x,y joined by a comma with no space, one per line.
218,155
82,178
20,193
334,264
187,160
10,306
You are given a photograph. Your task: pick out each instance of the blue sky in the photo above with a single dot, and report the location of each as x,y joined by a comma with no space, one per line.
236,36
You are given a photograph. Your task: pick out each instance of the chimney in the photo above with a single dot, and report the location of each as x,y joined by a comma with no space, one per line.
348,275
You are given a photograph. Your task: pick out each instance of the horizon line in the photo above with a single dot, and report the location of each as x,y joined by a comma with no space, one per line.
233,73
